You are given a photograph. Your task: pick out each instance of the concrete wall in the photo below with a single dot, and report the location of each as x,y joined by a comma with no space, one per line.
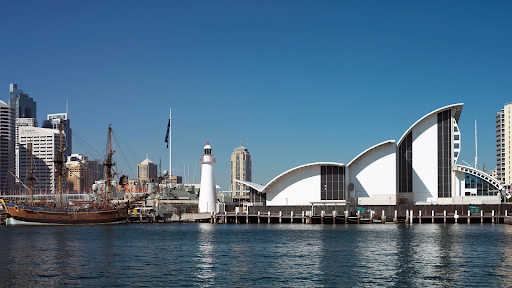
424,159
300,187
374,175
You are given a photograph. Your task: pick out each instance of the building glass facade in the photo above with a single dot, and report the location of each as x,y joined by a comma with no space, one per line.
444,154
405,165
483,188
332,181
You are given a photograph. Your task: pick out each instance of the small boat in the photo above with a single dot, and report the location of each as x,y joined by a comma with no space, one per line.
60,213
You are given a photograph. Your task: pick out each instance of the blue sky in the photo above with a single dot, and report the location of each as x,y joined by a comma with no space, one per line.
295,81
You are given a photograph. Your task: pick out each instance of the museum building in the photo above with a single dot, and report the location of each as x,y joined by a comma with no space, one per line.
420,169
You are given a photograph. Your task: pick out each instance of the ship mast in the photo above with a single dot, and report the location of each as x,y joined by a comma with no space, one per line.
108,164
59,162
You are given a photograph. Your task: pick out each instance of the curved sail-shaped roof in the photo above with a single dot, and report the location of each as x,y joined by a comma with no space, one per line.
370,149
458,110
258,187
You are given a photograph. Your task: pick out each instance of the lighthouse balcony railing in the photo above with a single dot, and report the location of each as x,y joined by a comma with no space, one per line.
212,160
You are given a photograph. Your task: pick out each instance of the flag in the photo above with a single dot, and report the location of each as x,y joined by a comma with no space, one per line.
167,134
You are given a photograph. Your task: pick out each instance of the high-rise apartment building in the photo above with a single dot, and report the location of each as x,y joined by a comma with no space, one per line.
46,144
97,170
23,105
240,167
78,175
21,122
7,144
503,145
146,171
53,122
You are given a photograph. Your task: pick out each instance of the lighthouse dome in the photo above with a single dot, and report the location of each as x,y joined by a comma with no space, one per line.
207,149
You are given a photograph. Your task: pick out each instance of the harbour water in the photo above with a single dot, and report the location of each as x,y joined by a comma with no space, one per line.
257,255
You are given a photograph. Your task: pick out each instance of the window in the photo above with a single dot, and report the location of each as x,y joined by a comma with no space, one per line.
332,183
456,146
456,137
405,165
444,159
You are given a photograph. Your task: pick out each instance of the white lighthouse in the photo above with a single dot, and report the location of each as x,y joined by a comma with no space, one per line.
208,193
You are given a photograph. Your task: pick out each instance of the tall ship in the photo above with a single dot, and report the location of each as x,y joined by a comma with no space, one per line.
97,208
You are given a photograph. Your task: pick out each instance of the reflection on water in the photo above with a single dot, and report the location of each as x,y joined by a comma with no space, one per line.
163,255
205,257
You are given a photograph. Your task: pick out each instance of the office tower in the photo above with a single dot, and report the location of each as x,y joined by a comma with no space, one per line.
21,122
503,145
97,169
23,105
240,167
53,122
78,175
7,144
146,171
46,144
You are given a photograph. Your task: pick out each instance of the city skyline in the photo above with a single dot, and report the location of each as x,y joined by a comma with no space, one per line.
318,81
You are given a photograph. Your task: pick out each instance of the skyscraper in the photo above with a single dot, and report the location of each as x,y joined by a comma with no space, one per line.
97,169
53,122
240,167
146,171
7,142
23,105
46,144
503,145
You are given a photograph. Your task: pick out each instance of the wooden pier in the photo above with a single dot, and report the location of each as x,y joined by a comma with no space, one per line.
373,217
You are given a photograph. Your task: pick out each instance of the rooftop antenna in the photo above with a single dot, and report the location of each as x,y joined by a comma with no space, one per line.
476,147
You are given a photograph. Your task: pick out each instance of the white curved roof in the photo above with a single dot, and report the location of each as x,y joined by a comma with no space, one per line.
2,102
482,175
300,167
256,186
207,146
458,110
371,148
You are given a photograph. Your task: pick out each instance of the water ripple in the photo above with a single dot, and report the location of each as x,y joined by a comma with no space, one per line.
205,255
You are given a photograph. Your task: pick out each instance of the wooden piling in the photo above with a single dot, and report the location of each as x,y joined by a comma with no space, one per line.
259,217
268,218
346,217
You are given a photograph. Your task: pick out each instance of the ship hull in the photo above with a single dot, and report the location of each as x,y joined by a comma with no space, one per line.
20,215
